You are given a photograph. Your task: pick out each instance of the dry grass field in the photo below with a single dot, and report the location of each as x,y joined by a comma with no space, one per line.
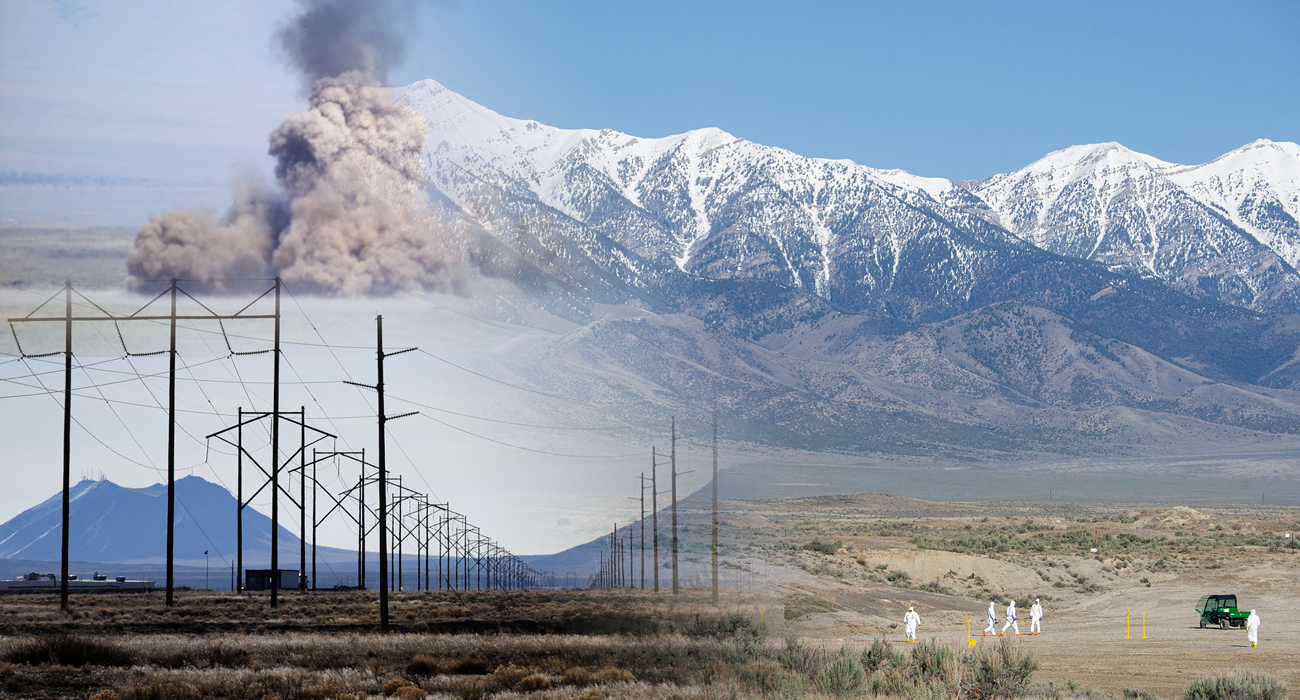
823,585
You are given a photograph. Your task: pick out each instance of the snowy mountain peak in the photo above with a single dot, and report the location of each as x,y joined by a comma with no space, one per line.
1092,159
1257,187
1221,226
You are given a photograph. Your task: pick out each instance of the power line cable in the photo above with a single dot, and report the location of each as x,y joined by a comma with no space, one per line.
96,438
119,420
200,527
492,379
528,449
495,420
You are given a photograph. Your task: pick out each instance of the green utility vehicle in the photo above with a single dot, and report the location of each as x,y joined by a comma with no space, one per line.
1220,610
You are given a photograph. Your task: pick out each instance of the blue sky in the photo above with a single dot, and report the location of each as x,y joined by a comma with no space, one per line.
156,89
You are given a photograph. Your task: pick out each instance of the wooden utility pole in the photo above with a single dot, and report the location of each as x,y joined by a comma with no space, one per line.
275,460
654,508
643,531
676,588
239,497
378,388
171,445
383,481
302,510
67,440
715,503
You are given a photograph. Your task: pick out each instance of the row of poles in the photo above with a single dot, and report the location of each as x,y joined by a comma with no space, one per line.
438,536
450,529
618,568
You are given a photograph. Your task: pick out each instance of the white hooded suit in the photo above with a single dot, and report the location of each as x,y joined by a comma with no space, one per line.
911,620
1011,619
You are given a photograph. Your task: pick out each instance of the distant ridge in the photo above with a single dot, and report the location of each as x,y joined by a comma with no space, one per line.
112,523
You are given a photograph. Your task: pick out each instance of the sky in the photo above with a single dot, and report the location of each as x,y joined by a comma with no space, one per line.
166,100
160,90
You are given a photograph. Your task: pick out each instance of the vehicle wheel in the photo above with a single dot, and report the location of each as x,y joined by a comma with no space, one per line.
1223,624
1202,623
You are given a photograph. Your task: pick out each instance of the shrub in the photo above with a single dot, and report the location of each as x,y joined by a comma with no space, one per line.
577,677
823,547
68,650
422,665
934,587
1243,685
613,674
391,687
1139,694
799,657
533,682
928,660
891,682
508,676
469,666
1001,671
471,689
410,692
153,692
733,626
880,656
637,625
774,681
844,677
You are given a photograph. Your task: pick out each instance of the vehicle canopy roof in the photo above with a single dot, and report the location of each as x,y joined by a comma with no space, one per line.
1221,600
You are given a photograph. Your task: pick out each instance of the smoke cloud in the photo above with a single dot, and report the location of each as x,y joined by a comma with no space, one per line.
351,215
333,37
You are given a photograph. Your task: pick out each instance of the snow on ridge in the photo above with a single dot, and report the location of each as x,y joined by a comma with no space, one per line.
1111,162
1098,201
933,186
1034,189
534,148
1240,182
1277,163
466,136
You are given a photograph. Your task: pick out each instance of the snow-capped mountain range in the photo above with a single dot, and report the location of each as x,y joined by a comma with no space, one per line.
1096,301
634,213
1226,228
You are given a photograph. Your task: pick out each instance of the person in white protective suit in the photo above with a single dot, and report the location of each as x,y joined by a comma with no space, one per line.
1252,628
911,621
1011,619
1036,617
993,621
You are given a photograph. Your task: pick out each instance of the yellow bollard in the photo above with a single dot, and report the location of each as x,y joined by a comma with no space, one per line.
1144,622
970,639
1128,626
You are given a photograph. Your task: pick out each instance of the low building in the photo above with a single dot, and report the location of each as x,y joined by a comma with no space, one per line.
261,579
